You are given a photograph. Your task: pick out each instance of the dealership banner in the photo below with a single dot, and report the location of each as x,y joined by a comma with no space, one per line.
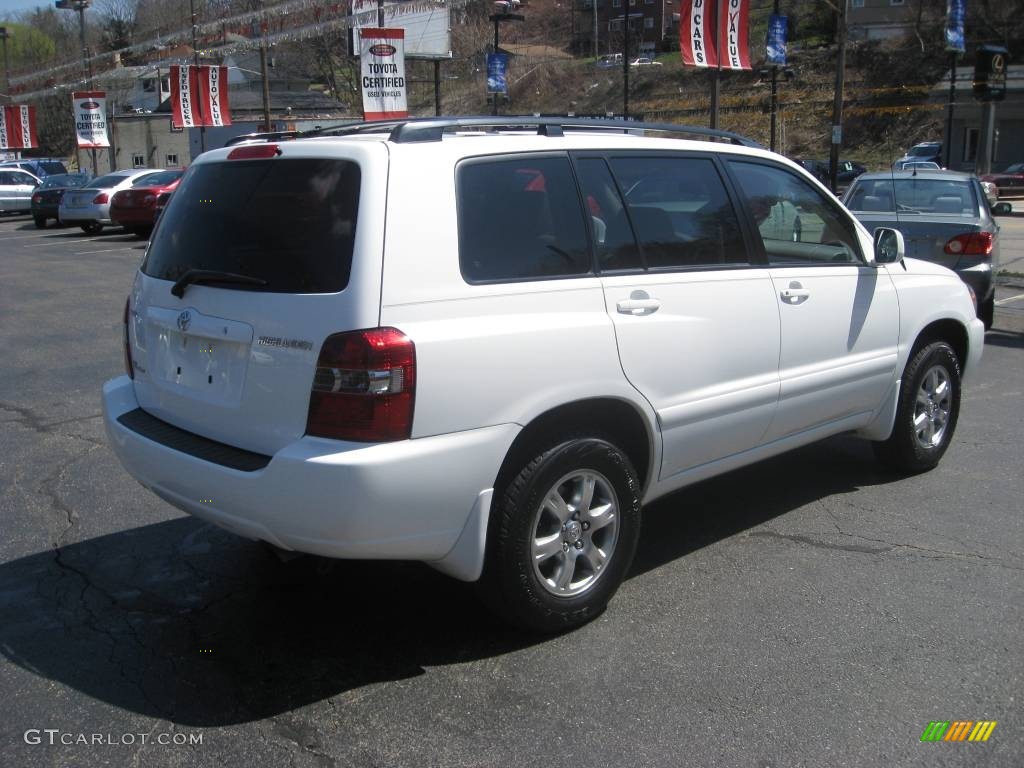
735,25
90,119
956,10
776,45
199,96
382,64
18,127
497,70
697,33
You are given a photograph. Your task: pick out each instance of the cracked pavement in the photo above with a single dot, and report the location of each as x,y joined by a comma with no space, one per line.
809,610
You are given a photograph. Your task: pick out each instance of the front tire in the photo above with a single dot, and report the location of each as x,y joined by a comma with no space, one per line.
927,412
563,535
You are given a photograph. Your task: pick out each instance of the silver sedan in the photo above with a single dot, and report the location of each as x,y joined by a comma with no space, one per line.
89,207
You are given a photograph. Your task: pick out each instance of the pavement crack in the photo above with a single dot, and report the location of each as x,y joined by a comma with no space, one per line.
859,548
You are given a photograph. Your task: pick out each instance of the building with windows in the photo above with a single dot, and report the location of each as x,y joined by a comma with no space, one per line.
653,25
881,19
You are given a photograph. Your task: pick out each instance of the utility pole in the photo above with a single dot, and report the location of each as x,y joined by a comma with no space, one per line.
497,18
947,145
625,59
837,104
80,6
195,61
775,87
7,69
266,82
596,47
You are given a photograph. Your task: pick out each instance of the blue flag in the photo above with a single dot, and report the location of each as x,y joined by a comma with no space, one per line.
956,10
777,39
497,66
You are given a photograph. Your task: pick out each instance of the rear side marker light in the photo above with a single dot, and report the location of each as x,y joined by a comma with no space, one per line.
364,387
254,152
970,244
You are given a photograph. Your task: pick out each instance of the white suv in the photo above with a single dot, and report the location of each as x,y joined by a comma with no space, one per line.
485,343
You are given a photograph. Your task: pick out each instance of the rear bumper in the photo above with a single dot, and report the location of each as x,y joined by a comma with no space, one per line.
407,500
980,278
86,214
132,217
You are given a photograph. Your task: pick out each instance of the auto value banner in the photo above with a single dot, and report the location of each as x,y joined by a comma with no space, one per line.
199,96
90,119
18,127
382,62
707,25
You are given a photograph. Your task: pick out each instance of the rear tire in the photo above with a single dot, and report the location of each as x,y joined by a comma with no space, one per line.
927,412
987,311
40,222
563,534
92,228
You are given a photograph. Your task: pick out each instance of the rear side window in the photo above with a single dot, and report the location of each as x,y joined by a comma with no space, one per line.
289,222
520,219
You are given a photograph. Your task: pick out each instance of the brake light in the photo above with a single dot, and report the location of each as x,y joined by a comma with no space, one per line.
254,152
364,387
971,244
102,197
129,368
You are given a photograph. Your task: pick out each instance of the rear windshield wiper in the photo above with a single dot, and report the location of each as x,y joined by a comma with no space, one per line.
198,276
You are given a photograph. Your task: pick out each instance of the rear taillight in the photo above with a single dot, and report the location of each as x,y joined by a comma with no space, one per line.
128,367
364,388
37,198
970,244
102,197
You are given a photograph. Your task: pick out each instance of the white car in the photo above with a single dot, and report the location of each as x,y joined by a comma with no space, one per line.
89,207
644,61
16,188
486,343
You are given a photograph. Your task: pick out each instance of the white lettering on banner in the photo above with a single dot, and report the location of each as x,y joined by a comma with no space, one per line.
696,34
734,43
185,97
4,144
215,95
26,131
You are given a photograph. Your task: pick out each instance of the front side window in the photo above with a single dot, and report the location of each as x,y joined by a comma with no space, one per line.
520,219
798,224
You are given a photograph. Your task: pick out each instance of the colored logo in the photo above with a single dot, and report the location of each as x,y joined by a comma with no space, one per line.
90,105
958,730
383,49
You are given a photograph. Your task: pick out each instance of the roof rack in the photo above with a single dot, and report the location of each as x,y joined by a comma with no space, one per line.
423,129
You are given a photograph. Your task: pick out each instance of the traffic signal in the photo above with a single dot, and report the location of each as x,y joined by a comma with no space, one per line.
990,72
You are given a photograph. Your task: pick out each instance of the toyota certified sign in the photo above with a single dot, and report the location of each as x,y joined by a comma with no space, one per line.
382,61
90,119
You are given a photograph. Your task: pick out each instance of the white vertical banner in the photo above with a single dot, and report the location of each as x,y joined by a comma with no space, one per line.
90,118
382,63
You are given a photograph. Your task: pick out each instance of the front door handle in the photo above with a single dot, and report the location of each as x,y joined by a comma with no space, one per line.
638,306
795,294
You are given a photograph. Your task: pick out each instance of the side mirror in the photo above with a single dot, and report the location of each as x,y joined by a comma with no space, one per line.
1002,209
889,246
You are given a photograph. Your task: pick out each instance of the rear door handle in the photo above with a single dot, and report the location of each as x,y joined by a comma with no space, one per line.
795,294
638,306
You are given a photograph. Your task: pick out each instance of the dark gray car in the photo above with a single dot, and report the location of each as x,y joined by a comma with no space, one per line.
944,219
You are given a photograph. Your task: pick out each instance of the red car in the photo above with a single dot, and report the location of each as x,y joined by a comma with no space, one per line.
1010,181
135,208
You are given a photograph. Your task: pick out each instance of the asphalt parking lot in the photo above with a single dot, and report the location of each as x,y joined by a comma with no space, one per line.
810,610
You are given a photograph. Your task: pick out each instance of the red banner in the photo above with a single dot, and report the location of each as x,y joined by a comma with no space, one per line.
199,96
697,33
735,25
18,127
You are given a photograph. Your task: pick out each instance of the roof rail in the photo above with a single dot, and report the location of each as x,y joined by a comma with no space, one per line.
422,129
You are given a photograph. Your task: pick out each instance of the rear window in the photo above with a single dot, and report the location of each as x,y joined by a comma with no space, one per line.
108,181
52,166
289,222
159,179
916,195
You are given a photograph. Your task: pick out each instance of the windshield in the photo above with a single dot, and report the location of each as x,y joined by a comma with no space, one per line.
161,179
289,222
65,180
928,150
938,196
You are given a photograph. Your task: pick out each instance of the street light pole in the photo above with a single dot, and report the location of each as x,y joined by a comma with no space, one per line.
195,61
497,18
80,6
7,68
625,60
837,104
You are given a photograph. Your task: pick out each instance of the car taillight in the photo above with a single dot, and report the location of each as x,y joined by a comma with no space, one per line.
37,198
970,244
364,387
128,367
102,197
149,199
254,152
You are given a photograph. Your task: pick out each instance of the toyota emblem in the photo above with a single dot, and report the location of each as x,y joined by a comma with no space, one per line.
184,320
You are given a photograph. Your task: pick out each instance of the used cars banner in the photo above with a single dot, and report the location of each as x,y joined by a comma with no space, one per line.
18,127
199,96
382,63
90,118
